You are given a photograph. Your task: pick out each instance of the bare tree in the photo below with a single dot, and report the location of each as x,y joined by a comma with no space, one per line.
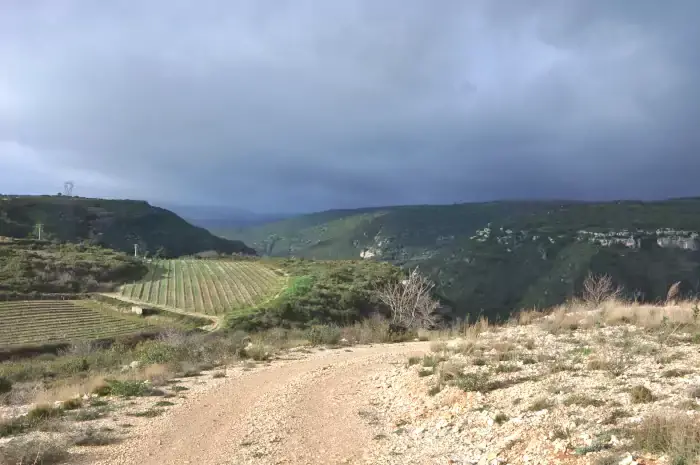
599,288
410,301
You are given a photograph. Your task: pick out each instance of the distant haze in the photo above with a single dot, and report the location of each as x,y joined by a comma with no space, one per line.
301,105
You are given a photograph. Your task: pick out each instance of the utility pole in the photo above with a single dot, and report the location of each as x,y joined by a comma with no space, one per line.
39,229
136,251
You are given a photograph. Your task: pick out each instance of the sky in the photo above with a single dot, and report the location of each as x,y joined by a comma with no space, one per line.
306,105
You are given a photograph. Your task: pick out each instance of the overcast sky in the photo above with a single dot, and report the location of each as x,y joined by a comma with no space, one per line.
295,105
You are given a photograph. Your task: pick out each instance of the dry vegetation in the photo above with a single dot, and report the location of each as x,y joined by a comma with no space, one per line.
595,381
47,403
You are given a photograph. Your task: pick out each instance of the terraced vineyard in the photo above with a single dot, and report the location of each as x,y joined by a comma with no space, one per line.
211,287
54,321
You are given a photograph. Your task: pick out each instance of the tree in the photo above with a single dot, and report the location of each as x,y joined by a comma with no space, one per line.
599,289
411,302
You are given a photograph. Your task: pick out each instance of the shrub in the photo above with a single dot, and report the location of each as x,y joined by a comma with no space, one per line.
640,394
257,352
150,413
128,388
41,413
431,361
72,404
583,401
33,451
676,436
322,334
152,352
74,365
413,361
5,385
507,368
94,437
541,404
472,382
675,373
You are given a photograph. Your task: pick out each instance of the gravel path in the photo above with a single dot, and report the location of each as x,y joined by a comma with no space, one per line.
304,411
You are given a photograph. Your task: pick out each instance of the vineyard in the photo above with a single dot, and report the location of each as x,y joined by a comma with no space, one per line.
55,321
211,287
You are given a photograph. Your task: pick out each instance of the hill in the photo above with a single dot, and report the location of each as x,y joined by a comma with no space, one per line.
116,224
31,268
495,257
255,294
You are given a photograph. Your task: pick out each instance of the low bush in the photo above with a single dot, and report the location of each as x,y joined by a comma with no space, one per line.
33,451
324,335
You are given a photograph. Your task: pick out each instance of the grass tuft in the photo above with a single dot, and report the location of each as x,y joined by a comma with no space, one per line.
641,395
676,436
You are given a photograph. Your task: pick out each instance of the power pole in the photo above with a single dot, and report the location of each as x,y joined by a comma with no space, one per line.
136,251
39,229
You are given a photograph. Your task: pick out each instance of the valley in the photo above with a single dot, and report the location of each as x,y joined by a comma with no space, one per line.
222,351
491,258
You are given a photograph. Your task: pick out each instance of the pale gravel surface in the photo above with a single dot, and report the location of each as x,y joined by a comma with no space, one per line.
308,411
366,405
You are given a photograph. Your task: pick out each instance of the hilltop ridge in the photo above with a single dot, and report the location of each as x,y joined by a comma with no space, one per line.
116,224
490,258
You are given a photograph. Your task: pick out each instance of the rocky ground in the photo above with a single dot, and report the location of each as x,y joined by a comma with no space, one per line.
544,394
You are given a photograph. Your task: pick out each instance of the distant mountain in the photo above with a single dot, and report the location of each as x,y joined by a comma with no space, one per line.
218,218
497,257
116,224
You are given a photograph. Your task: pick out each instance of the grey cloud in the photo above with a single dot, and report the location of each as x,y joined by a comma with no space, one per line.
304,105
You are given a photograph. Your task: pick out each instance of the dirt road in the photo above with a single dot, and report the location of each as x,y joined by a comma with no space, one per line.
305,411
215,320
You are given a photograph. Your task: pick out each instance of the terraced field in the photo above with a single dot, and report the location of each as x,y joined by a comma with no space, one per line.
210,287
54,321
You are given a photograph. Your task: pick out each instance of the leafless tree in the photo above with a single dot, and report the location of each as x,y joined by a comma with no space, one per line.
599,288
411,302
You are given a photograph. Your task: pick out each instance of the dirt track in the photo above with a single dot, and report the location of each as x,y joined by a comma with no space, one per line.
305,411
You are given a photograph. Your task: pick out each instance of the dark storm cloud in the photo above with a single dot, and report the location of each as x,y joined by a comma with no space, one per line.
302,105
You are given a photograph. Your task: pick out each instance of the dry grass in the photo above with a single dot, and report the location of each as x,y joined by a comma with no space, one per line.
33,452
68,389
158,374
677,436
648,316
528,317
563,318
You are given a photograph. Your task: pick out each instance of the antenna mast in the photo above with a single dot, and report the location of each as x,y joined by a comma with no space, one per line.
68,188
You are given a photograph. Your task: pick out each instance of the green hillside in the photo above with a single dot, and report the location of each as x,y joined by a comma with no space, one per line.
30,267
116,224
495,257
